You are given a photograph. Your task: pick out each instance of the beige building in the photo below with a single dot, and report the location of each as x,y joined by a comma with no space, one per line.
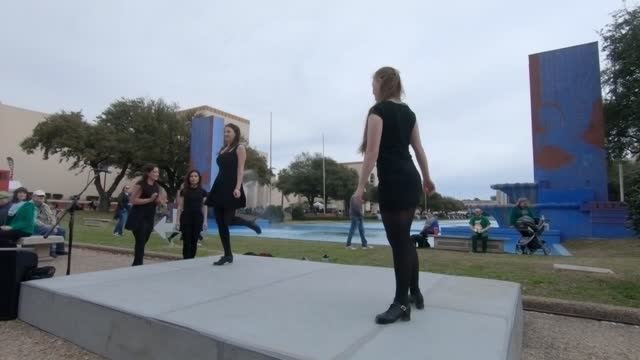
373,180
357,166
242,123
32,171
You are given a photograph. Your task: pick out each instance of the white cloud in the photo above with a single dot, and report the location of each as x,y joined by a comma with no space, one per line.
464,64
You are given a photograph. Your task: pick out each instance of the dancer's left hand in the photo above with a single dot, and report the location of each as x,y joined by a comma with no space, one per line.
236,194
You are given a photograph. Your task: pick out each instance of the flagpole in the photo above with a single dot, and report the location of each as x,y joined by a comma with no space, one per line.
270,154
324,179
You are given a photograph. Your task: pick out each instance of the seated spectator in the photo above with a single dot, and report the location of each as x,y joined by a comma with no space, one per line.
480,225
521,209
45,221
21,219
5,205
431,226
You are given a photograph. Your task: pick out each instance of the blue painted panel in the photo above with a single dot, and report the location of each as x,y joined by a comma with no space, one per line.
201,131
567,122
217,143
207,135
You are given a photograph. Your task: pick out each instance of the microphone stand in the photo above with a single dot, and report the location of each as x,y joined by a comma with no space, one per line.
71,210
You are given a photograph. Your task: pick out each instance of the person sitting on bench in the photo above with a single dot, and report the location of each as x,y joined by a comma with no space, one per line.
431,227
21,219
45,221
5,205
479,225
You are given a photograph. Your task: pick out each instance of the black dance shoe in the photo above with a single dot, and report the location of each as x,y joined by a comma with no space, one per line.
223,260
396,311
417,300
255,227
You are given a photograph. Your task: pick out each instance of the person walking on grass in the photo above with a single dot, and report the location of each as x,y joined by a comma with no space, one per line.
122,211
355,213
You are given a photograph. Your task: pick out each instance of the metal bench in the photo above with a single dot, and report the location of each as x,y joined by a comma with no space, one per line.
41,245
463,243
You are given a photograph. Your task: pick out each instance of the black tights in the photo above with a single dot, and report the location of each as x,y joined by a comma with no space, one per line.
141,233
190,236
226,217
397,224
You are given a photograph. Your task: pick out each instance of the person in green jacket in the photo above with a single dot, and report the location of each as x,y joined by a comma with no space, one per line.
521,209
480,225
22,219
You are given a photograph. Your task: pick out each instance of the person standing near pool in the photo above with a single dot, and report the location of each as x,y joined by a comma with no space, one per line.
227,194
390,129
355,212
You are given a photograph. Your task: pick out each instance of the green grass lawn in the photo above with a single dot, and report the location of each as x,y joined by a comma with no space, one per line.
535,273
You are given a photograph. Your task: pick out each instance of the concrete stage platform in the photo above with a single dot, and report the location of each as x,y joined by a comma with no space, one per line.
269,308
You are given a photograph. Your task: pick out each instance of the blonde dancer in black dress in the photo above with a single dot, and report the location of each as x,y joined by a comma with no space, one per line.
391,128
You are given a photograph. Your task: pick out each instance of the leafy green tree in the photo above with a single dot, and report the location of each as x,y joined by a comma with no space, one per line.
621,77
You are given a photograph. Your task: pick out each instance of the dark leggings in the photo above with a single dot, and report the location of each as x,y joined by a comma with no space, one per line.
226,217
397,225
190,235
8,238
141,233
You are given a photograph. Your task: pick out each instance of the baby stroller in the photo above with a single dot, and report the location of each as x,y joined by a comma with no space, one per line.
531,240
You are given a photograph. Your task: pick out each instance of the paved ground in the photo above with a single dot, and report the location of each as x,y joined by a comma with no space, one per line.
547,337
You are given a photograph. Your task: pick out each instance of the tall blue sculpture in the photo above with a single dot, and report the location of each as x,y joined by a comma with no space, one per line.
206,140
569,156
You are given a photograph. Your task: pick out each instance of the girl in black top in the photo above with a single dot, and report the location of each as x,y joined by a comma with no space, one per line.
192,213
227,194
391,128
147,194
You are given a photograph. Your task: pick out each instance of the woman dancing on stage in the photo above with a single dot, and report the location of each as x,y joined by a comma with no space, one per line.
227,194
192,213
147,195
391,127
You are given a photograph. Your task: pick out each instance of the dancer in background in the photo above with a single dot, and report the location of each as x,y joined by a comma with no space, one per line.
391,128
147,194
192,213
227,194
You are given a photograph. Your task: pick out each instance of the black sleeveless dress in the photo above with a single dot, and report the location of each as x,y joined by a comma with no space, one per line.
400,184
221,194
143,215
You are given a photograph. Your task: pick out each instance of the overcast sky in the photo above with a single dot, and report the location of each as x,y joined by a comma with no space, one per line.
464,65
